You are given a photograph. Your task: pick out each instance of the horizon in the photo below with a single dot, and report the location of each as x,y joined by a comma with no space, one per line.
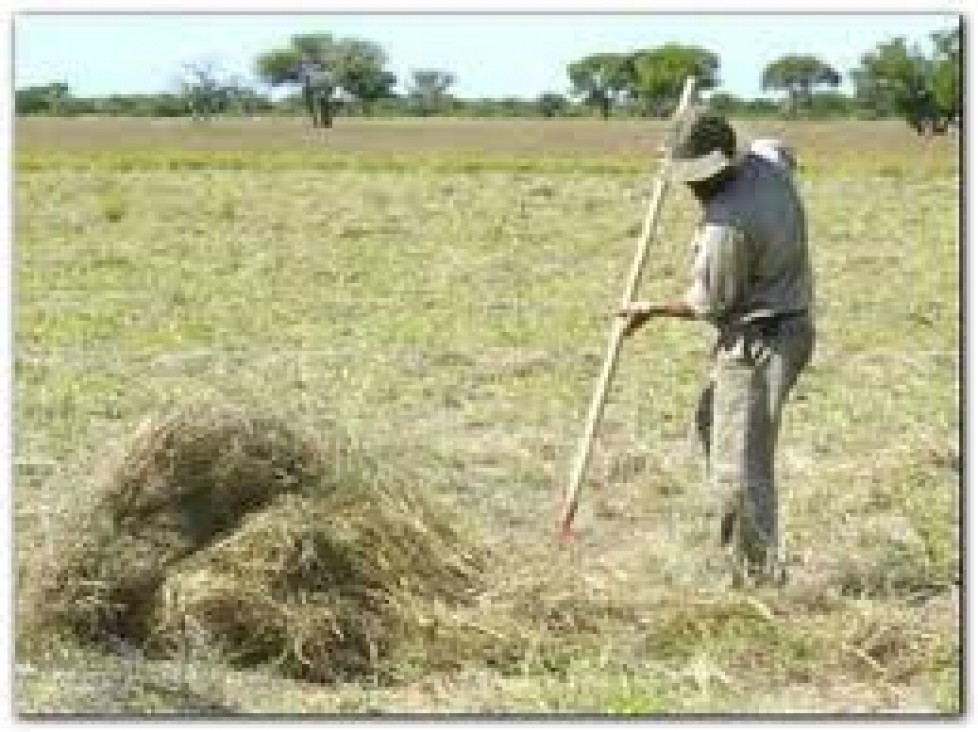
92,52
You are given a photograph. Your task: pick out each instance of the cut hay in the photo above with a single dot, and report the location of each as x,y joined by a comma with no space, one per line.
226,531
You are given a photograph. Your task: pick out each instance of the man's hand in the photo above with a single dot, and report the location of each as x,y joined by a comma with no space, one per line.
640,312
637,314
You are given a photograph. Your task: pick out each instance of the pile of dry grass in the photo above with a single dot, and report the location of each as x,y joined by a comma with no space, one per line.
228,530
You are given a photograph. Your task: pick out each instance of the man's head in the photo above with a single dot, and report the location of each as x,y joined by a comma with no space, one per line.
704,151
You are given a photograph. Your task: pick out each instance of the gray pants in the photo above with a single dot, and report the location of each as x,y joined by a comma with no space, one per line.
738,417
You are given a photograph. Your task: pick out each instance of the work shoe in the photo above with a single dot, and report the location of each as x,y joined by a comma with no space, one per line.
745,574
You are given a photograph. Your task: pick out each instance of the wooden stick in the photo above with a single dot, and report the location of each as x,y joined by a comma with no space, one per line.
617,335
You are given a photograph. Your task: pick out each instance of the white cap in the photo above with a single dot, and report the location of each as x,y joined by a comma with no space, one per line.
774,151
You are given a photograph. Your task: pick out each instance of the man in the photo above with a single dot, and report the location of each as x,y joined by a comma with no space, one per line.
752,279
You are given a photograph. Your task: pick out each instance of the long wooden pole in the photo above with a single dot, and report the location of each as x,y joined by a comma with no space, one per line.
617,335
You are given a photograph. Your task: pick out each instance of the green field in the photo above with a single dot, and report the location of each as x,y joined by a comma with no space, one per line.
443,289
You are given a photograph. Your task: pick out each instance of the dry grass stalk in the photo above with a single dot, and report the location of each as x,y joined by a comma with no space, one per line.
267,547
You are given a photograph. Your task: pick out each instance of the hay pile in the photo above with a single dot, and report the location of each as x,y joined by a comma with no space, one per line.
227,531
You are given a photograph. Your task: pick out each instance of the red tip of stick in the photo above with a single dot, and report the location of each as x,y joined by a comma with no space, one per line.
565,534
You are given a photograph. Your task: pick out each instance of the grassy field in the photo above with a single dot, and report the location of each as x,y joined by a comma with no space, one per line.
443,290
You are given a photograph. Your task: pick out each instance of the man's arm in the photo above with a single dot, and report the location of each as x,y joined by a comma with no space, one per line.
719,277
639,313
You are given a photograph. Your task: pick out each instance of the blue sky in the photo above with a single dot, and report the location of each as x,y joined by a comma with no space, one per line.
491,55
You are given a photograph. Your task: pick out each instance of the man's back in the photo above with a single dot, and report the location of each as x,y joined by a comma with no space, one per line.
762,203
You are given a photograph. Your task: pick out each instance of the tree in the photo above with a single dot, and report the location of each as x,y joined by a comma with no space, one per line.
360,71
551,104
946,72
600,79
887,77
311,61
50,99
798,75
658,75
203,89
831,105
167,105
59,95
351,64
242,99
428,87
279,66
893,79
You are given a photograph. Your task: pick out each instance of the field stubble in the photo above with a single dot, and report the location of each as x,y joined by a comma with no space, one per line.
453,320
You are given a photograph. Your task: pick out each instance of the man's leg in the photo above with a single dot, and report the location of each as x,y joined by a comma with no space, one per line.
776,358
738,419
741,455
791,350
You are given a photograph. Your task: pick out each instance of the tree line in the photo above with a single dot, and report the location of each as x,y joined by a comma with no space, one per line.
892,80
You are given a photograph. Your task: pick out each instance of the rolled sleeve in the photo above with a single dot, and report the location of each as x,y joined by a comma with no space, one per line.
719,272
